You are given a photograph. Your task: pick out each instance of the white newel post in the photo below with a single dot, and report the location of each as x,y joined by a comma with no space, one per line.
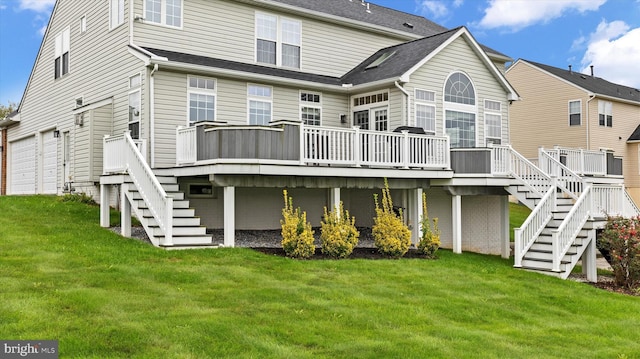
125,211
456,209
303,143
229,194
356,146
405,149
104,206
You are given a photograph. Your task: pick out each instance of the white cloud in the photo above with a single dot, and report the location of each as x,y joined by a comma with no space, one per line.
438,9
37,5
518,14
614,52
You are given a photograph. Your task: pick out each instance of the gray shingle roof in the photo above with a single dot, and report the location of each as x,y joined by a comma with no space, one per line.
594,84
377,15
635,136
403,58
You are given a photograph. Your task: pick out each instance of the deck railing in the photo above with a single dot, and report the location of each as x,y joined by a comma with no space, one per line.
507,161
186,145
526,235
583,162
567,180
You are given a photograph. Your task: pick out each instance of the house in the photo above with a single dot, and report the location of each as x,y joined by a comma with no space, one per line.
194,115
576,110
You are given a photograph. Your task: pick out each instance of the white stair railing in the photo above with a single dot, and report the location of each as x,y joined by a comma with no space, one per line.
565,235
629,207
567,180
583,162
122,155
507,161
527,234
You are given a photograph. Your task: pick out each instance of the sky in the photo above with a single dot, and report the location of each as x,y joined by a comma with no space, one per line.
602,33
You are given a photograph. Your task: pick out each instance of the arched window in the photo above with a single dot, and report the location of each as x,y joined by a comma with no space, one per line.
459,89
460,110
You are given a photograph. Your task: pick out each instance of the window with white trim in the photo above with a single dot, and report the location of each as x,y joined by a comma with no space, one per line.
310,108
164,12
575,112
116,13
61,60
260,100
493,121
426,110
135,105
202,99
605,113
371,111
278,40
460,110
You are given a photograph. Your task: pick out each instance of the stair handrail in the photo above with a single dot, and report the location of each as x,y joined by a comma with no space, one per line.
567,180
629,207
158,202
522,169
535,223
567,232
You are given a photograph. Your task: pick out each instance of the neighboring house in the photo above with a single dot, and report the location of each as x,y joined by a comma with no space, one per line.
177,108
562,107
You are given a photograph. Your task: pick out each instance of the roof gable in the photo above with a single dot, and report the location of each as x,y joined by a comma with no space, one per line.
590,84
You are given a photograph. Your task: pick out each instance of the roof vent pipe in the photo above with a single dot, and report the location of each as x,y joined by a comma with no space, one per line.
591,70
570,71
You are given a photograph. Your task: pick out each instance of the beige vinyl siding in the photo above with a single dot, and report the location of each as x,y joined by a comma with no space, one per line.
233,24
101,126
81,156
170,112
541,117
397,109
93,75
459,57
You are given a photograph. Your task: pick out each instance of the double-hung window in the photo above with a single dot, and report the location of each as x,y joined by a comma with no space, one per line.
116,13
61,61
310,108
260,99
278,40
575,112
493,121
202,99
164,12
425,102
605,113
135,105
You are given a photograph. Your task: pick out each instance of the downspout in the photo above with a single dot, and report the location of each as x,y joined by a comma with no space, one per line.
589,132
407,103
152,130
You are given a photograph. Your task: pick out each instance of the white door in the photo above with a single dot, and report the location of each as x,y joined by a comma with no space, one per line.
23,166
49,163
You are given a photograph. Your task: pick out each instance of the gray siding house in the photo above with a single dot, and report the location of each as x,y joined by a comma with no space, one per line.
194,115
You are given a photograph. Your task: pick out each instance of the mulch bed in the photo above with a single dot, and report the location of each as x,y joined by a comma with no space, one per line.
358,253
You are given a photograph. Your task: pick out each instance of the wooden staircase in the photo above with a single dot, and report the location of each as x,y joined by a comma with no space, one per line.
187,229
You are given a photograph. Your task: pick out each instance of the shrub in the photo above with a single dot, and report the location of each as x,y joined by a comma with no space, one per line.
79,198
338,232
391,236
297,235
430,240
621,238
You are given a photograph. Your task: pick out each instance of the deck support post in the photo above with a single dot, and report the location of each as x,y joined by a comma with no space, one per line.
589,266
229,194
104,206
456,219
125,211
504,227
334,199
415,214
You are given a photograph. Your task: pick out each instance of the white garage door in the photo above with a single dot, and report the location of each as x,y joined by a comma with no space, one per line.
23,166
49,163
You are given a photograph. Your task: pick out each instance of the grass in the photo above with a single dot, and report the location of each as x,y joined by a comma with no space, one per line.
518,213
102,296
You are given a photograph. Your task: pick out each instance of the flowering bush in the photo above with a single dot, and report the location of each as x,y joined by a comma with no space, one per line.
621,238
430,240
297,235
390,234
338,232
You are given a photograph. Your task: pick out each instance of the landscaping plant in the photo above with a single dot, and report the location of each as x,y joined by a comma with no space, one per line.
621,238
390,234
297,235
338,232
430,240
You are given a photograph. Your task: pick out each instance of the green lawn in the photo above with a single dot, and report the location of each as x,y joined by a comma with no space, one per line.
518,213
102,296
